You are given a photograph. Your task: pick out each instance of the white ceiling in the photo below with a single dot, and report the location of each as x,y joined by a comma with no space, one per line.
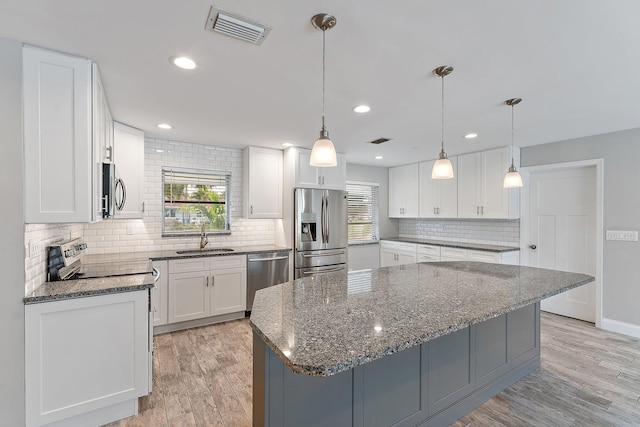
575,63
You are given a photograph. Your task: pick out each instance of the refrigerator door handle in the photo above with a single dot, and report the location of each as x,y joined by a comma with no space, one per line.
328,215
323,254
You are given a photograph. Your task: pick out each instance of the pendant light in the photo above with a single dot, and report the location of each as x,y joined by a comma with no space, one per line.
442,168
512,179
324,153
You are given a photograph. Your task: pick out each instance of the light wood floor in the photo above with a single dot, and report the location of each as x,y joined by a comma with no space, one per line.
589,377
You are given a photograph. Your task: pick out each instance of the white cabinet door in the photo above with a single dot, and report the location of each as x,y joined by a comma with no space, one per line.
334,178
262,183
406,258
85,354
58,154
305,175
469,185
396,192
429,191
499,202
387,257
228,291
128,156
403,191
448,193
480,191
161,294
188,296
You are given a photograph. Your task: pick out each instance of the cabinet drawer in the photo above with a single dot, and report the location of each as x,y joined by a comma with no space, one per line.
430,250
190,265
428,258
228,261
454,253
407,247
484,256
386,244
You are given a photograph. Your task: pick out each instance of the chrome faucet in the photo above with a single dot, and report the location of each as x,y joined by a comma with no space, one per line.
204,240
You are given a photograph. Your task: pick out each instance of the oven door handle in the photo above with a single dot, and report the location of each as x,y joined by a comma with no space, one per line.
309,273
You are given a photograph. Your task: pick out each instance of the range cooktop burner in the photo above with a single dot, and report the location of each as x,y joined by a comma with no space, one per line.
64,262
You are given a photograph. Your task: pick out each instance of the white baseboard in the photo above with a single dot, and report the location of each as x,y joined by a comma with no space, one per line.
621,327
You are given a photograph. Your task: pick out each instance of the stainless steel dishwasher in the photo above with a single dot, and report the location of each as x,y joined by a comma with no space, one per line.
264,270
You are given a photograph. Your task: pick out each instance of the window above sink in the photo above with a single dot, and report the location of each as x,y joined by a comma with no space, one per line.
194,197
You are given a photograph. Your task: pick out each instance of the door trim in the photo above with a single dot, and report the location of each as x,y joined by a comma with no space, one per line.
525,196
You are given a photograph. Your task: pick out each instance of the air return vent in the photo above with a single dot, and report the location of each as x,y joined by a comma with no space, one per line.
379,141
236,26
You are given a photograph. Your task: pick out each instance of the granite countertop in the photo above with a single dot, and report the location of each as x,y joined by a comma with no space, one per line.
170,254
327,324
448,244
70,289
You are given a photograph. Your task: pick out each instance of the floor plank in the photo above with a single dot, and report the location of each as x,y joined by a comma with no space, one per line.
589,377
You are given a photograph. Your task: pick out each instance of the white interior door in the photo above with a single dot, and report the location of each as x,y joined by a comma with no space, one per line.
563,230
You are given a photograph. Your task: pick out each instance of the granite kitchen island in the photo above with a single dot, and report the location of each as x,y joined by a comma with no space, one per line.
418,344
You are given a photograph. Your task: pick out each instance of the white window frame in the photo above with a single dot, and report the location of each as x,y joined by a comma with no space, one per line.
375,217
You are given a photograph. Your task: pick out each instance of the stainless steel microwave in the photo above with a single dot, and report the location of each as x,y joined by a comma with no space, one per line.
114,192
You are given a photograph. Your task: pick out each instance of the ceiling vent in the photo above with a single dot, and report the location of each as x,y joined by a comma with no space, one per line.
379,141
236,26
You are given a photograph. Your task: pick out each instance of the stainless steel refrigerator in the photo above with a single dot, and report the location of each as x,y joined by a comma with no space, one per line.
320,231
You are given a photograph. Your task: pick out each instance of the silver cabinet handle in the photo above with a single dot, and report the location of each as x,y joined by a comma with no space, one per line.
251,209
207,281
434,211
482,210
477,210
213,281
534,247
142,207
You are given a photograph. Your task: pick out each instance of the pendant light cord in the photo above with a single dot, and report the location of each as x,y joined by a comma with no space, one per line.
442,114
512,132
323,77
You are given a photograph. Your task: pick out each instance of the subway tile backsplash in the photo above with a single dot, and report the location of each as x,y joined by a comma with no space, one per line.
489,231
116,236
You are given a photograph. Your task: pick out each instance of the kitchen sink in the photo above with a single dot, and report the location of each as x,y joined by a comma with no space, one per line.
204,251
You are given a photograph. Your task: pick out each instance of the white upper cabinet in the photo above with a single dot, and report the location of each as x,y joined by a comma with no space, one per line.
438,197
128,156
480,180
262,183
307,176
403,191
58,146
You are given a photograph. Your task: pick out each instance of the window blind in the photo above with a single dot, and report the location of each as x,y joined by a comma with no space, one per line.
362,211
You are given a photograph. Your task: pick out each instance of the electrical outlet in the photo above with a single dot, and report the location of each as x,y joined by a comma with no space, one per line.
34,249
627,236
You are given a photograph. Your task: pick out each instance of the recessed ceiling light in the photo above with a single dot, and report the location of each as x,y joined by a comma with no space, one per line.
183,62
379,157
164,126
287,144
471,135
361,108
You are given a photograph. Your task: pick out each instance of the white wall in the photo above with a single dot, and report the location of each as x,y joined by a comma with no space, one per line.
621,154
12,232
367,256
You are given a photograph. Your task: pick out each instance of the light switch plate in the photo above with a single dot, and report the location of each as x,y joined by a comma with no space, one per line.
626,236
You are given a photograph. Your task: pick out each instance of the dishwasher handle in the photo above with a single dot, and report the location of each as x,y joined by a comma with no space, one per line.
267,259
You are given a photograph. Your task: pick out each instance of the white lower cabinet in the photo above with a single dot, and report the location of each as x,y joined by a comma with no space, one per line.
397,253
204,287
161,294
86,359
428,253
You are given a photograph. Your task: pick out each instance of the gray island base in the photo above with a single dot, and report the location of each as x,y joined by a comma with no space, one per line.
411,345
